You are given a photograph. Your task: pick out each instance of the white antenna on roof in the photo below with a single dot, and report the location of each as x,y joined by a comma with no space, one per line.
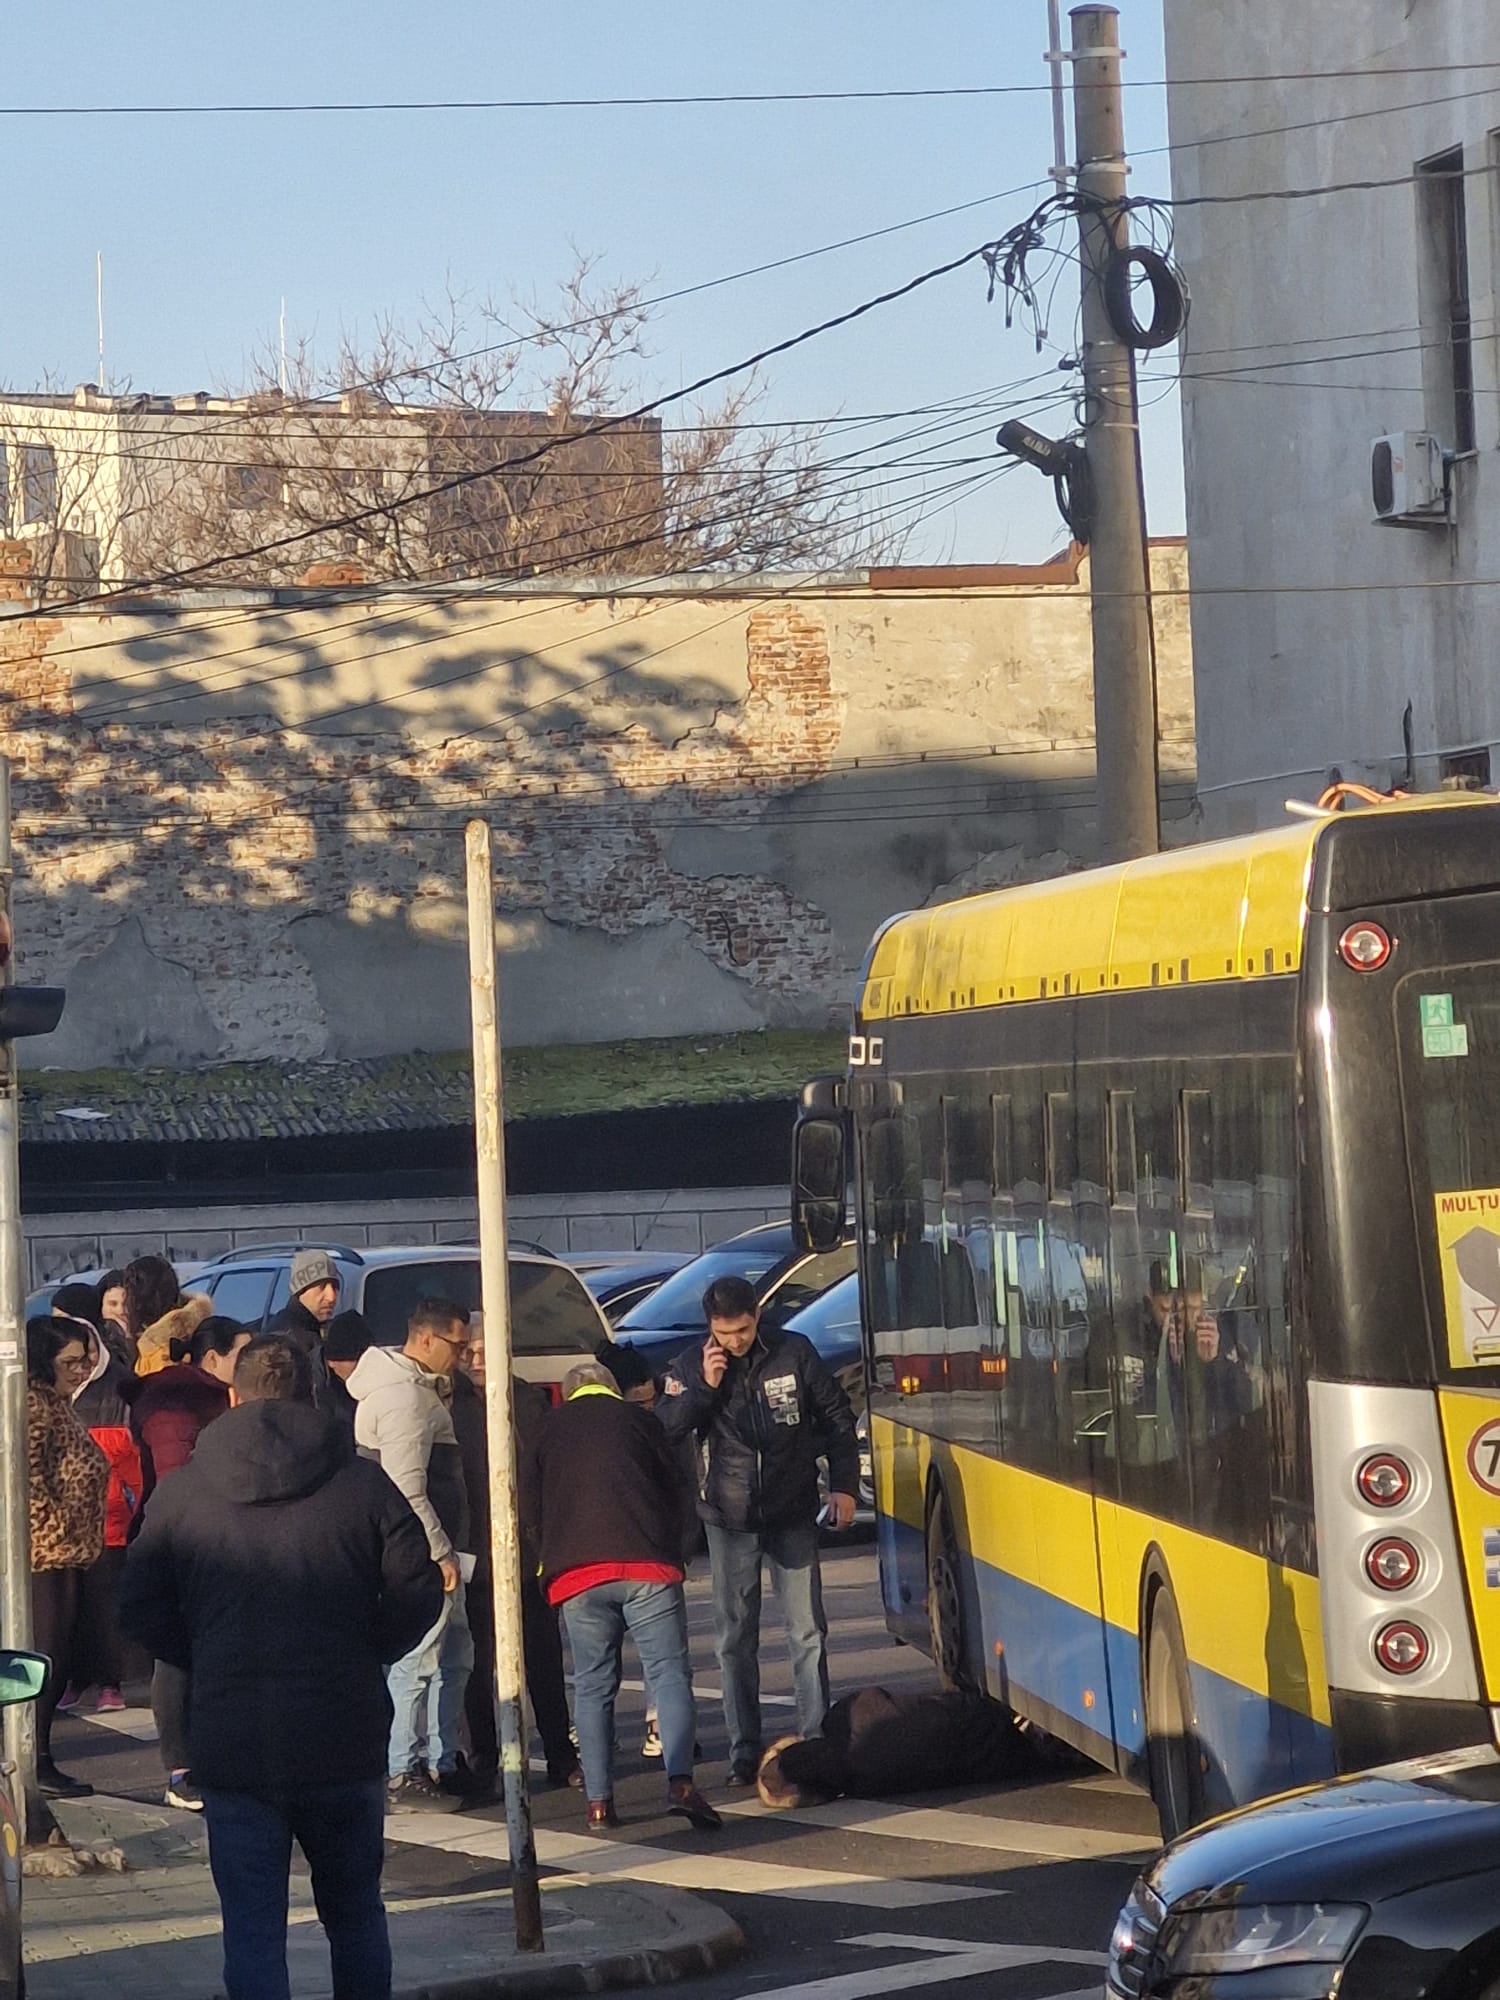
99,309
283,347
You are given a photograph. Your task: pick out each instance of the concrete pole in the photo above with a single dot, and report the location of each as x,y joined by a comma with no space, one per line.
494,1236
1124,701
15,1510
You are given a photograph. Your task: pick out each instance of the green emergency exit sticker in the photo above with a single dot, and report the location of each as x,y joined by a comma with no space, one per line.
1437,1011
1445,1041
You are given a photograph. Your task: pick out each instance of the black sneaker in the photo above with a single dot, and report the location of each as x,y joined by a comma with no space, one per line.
55,1784
416,1792
741,1777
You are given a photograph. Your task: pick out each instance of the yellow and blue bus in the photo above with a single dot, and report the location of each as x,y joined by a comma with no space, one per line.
1178,1209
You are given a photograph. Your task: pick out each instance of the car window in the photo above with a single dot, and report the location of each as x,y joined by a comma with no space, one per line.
834,1316
550,1311
240,1294
809,1280
392,1292
678,1304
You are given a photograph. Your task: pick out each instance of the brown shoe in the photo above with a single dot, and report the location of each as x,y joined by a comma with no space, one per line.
684,1798
602,1815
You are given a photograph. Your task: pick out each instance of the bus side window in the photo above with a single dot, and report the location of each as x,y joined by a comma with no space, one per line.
1029,1398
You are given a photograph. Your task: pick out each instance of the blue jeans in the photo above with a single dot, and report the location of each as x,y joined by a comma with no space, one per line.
427,1692
341,1830
791,1555
655,1615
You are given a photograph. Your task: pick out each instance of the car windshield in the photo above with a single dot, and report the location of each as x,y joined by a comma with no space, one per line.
677,1306
550,1311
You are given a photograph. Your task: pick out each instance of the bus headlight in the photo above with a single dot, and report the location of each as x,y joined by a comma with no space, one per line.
1205,1943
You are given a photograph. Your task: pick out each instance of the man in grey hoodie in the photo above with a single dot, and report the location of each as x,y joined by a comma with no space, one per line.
402,1419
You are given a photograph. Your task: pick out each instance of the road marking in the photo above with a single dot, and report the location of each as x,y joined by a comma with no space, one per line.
589,1857
717,1693
137,1722
960,1829
947,1959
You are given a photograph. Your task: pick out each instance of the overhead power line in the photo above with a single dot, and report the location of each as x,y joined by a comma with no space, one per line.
672,100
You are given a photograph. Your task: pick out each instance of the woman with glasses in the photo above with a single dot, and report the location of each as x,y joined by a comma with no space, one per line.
69,1484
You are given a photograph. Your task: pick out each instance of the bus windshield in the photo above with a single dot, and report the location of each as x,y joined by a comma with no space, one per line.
1449,1027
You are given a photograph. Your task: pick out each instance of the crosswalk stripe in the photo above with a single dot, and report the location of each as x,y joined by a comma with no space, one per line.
590,1857
961,1829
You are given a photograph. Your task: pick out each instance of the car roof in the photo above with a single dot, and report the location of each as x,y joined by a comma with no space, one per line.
378,1257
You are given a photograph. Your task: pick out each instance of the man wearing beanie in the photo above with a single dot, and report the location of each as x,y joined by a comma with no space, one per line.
347,1336
315,1296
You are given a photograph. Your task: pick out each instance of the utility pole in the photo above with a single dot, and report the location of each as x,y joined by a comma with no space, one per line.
494,1274
1124,692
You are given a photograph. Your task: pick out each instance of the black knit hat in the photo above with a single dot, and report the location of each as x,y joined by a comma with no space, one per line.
346,1337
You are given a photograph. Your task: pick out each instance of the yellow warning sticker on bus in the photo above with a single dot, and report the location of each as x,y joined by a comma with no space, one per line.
1468,1233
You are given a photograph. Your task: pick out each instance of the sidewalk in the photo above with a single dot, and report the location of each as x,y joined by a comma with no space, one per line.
153,1932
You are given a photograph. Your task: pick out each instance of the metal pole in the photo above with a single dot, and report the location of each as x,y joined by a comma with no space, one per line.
505,1539
1124,699
1059,171
15,1511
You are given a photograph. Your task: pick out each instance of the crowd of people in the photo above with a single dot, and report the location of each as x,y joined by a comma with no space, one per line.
293,1528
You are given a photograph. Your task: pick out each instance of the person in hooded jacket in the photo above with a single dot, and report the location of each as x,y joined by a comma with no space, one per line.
285,1573
102,1402
171,1410
766,1409
157,1314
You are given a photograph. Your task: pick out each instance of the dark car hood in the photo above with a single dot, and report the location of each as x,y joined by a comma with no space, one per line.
1358,1839
271,1451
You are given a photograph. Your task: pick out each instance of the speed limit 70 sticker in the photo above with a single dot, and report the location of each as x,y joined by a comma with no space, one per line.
1484,1456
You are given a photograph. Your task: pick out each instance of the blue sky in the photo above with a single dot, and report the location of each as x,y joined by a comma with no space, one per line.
205,223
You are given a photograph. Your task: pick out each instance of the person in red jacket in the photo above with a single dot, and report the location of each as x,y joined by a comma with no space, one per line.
102,1403
171,1408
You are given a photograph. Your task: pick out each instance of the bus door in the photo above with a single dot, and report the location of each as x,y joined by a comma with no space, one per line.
1071,1534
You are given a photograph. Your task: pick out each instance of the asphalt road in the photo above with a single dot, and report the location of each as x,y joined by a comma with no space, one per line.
1006,1892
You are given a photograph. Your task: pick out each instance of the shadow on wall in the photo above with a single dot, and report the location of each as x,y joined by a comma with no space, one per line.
211,884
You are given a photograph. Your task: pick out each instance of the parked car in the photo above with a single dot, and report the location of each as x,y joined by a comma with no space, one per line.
554,1319
1383,1884
620,1279
22,1678
785,1279
40,1301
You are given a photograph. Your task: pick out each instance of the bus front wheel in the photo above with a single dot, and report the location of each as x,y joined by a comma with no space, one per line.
1173,1753
945,1604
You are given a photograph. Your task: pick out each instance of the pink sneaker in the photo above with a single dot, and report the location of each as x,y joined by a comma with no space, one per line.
71,1696
110,1702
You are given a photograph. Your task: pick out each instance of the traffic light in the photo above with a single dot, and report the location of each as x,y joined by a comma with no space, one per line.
24,1010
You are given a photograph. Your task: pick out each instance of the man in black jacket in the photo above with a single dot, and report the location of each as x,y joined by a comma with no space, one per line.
600,1486
285,1573
314,1283
767,1409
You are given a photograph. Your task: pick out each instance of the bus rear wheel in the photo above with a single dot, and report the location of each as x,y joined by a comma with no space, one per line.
945,1603
1173,1753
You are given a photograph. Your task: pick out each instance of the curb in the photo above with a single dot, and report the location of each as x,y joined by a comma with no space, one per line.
718,1942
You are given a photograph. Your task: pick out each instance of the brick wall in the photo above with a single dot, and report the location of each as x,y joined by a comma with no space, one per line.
239,816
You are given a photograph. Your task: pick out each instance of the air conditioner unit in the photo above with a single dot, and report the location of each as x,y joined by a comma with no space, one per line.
1409,480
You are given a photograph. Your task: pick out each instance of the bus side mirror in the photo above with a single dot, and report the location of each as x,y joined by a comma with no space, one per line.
819,1177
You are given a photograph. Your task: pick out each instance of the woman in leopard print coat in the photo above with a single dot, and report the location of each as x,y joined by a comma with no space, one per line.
69,1484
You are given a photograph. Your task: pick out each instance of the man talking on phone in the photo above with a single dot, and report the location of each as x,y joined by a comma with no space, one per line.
767,1410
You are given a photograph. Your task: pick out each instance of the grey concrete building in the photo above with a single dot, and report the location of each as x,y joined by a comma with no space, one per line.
1339,225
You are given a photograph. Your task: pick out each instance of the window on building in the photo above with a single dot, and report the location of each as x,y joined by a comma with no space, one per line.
1448,353
1464,771
4,488
38,483
251,489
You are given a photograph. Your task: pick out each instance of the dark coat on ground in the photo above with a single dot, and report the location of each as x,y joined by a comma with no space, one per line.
601,1485
875,1744
284,1573
776,1412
